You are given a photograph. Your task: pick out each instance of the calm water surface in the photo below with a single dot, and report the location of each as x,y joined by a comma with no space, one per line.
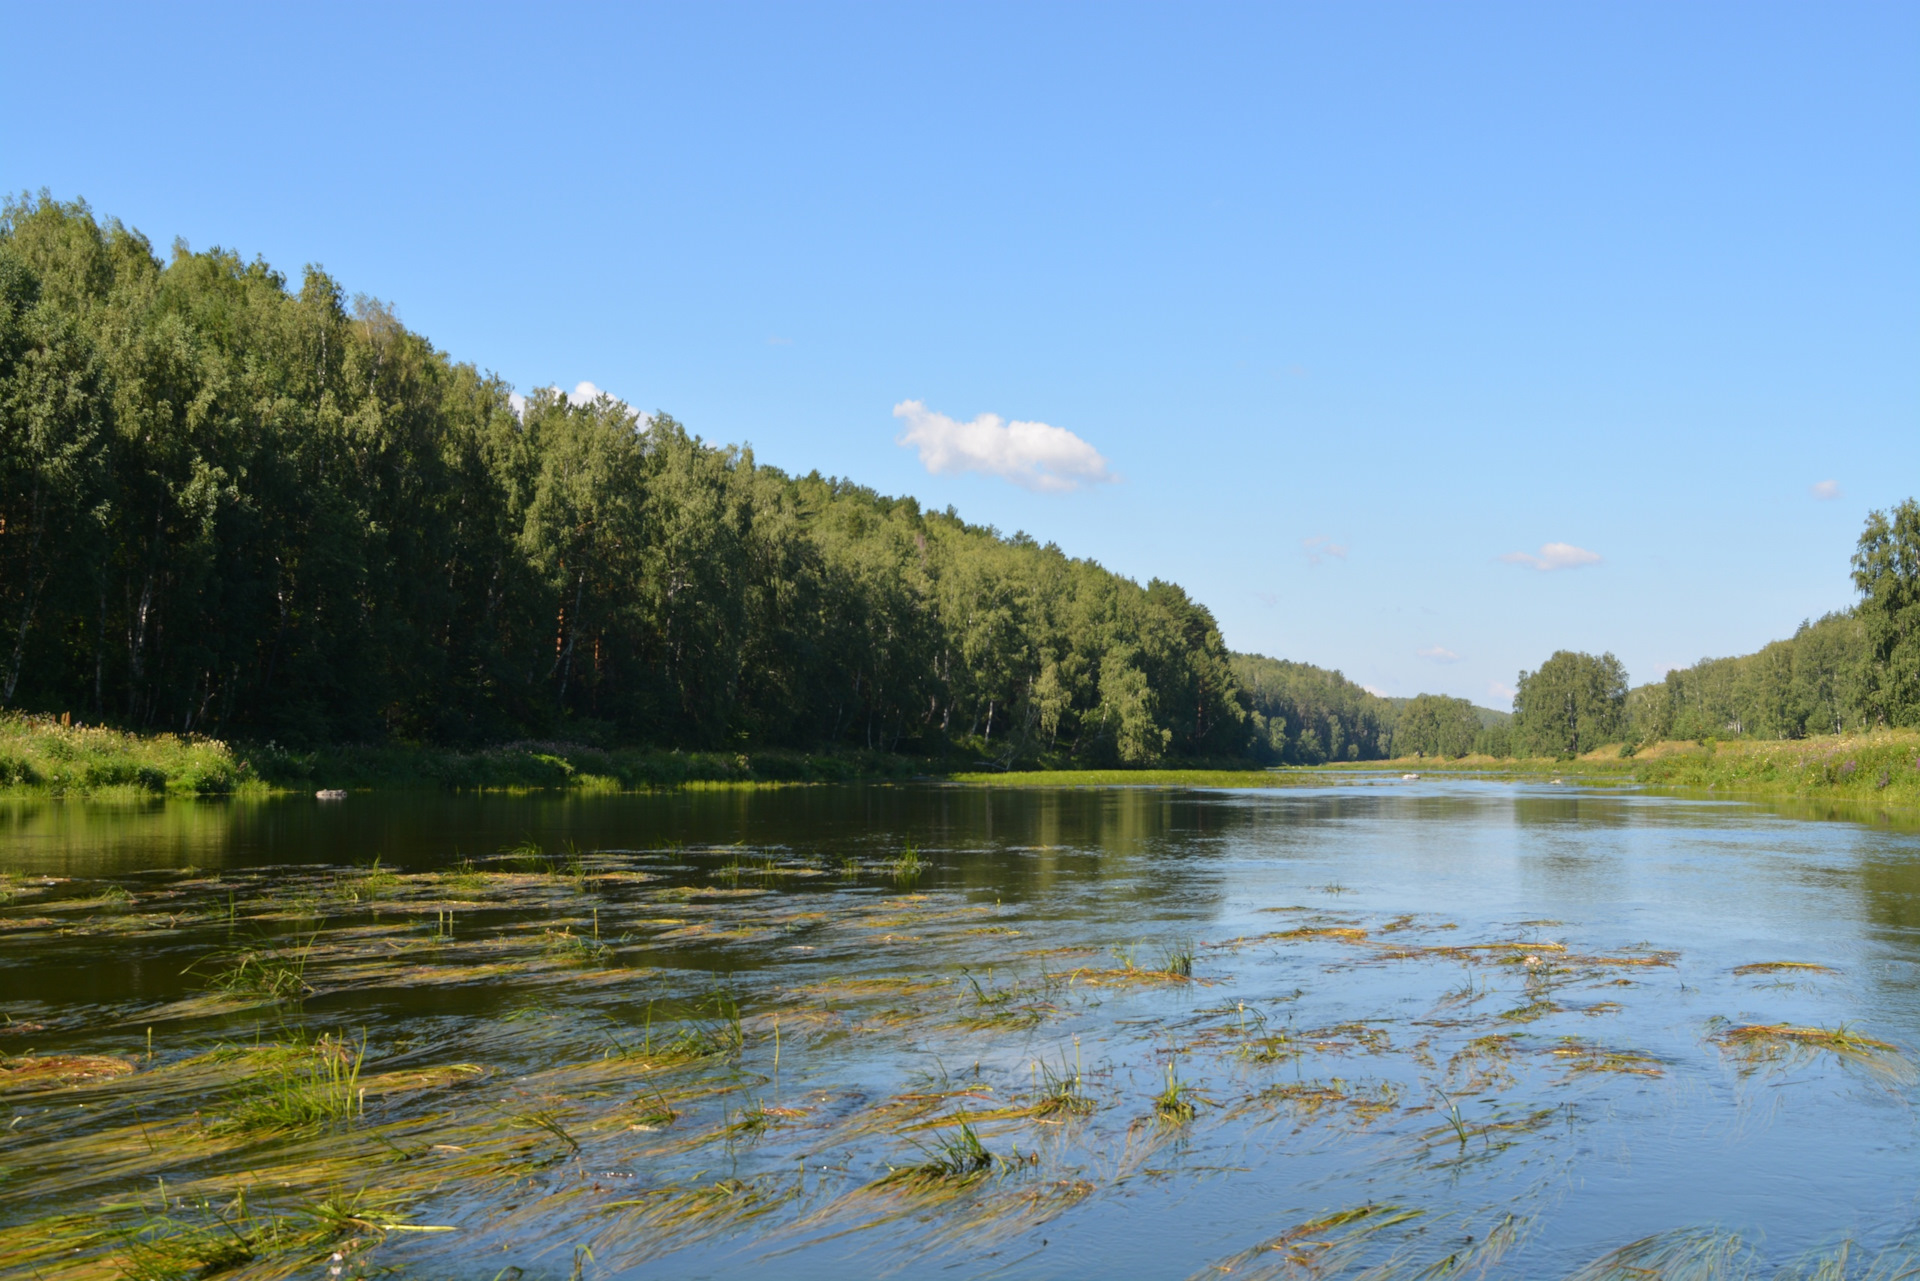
1482,1021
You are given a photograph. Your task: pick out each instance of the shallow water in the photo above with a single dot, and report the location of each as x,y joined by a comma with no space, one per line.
1488,1022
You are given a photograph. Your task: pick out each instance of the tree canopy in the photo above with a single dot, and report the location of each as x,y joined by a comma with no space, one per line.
1574,703
231,505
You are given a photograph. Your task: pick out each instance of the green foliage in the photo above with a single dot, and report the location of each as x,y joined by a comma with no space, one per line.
1573,704
234,506
41,753
1305,715
1886,569
1816,682
1435,725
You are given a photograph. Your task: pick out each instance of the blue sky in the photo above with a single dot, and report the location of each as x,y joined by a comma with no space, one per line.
1346,307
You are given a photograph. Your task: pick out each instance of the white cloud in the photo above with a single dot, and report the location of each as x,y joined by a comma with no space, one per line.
1376,691
1319,547
1554,556
583,393
1032,455
1439,654
1827,489
1502,693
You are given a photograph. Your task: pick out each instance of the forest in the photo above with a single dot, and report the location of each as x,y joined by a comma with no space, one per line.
236,508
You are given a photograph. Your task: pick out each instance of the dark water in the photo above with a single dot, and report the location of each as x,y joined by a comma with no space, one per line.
1523,1110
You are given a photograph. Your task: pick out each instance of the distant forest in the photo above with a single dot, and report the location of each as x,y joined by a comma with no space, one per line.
230,506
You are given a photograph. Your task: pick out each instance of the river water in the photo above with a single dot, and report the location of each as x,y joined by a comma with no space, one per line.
1382,1028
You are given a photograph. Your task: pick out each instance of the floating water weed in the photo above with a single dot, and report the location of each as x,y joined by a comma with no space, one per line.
710,1029
548,1121
1177,959
1307,1099
653,1114
373,880
1777,967
1688,1254
1321,1247
569,948
528,856
464,875
956,1160
204,1238
1576,1056
264,970
47,1071
1762,1044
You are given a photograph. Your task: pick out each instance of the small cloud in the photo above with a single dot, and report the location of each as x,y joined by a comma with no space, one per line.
1439,654
1554,556
583,393
1376,691
1031,455
1318,548
1269,599
779,342
1826,490
1499,692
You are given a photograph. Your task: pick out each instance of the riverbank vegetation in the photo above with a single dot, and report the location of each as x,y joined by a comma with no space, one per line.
235,510
264,512
41,755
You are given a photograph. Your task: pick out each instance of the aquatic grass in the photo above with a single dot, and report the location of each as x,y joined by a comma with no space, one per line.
1176,958
1783,967
52,1071
957,1160
373,880
1177,1103
529,856
465,875
568,948
1308,1099
1322,1247
264,970
906,869
1758,1045
1685,1254
1058,1092
299,1086
1578,1057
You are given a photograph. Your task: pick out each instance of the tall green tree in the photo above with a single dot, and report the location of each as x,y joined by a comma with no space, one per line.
1435,725
1574,703
1886,569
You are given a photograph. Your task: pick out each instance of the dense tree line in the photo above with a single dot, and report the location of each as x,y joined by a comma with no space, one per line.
233,506
1306,715
1851,670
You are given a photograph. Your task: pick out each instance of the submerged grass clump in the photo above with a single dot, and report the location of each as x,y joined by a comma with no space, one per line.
1758,1045
266,971
300,1086
954,1161
1176,1104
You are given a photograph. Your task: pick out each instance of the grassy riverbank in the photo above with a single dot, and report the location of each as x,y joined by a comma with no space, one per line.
1881,767
41,756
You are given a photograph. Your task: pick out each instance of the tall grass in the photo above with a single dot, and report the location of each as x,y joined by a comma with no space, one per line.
43,754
